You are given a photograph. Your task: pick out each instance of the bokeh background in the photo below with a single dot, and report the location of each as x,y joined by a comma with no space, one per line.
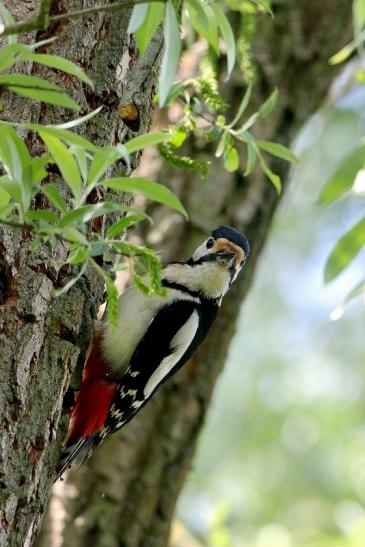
281,461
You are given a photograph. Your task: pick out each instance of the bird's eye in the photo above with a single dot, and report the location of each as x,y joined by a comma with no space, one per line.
210,243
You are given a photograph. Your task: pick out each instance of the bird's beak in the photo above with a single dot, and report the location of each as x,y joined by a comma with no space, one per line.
225,256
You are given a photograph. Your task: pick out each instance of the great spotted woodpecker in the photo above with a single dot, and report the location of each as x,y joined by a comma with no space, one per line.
155,337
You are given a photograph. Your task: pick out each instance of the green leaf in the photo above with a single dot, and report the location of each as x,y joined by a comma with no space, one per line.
26,81
248,123
17,162
231,160
41,43
203,20
7,19
74,236
343,178
54,61
360,76
278,150
343,54
66,136
78,255
345,251
222,145
8,54
152,190
11,187
226,31
81,157
102,160
120,266
148,139
171,54
273,177
78,121
251,159
358,8
242,107
52,193
46,96
122,224
269,104
139,13
38,168
65,162
45,216
175,91
84,214
152,20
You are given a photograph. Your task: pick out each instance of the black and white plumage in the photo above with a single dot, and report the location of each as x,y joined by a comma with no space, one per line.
155,338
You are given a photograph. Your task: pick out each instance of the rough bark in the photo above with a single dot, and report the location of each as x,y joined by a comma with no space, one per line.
126,494
43,338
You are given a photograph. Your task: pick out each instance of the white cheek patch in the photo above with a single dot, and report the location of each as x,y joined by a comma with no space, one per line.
179,344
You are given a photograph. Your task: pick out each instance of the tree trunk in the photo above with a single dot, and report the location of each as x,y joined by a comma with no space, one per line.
43,338
126,494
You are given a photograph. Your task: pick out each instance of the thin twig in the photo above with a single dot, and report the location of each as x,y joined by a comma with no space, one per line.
42,21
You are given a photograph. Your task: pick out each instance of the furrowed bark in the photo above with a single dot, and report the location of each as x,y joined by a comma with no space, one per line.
126,494
42,338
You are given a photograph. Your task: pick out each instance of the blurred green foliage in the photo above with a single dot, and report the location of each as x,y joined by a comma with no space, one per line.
281,462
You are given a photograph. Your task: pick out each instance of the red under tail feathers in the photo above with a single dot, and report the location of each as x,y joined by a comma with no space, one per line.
93,400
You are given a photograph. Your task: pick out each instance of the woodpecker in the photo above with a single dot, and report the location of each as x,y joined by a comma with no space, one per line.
155,337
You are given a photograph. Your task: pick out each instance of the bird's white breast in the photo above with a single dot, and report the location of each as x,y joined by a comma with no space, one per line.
136,311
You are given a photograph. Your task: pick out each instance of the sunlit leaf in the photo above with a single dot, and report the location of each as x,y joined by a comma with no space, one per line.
52,193
278,150
46,96
227,33
343,54
343,178
39,171
149,139
78,255
171,54
46,216
26,81
65,161
251,159
345,250
54,61
11,187
7,19
273,177
17,162
67,136
203,20
269,104
84,214
103,159
152,190
152,20
138,15
358,8
123,224
242,107
231,160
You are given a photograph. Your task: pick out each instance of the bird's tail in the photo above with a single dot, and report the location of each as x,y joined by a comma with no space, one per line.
80,450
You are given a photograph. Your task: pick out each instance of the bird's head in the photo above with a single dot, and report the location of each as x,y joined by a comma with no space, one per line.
215,264
226,247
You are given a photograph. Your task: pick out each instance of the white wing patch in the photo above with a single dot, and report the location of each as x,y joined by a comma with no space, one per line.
179,344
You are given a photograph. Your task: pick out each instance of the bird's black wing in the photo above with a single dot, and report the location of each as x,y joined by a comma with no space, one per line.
169,341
